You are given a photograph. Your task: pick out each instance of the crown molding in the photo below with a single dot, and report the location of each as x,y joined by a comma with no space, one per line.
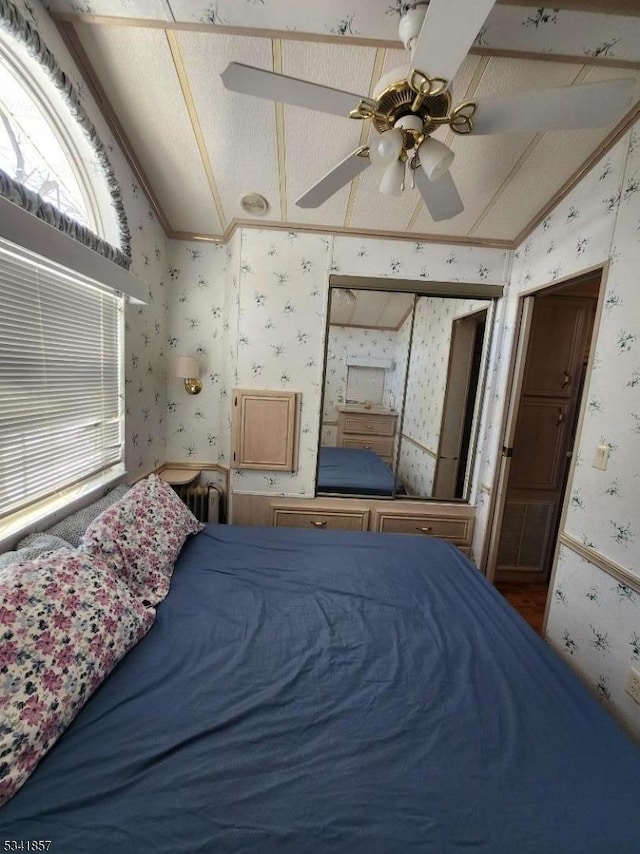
320,38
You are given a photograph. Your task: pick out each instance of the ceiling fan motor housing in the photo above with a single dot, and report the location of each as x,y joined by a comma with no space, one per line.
395,98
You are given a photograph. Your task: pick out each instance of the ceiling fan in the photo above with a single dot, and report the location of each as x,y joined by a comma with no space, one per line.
409,104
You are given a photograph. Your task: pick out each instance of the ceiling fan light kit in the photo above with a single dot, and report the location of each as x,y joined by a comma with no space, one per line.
408,105
386,147
435,158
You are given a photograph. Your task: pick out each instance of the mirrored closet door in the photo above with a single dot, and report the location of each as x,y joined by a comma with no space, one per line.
402,393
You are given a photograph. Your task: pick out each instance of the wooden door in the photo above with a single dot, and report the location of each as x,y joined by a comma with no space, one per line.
542,437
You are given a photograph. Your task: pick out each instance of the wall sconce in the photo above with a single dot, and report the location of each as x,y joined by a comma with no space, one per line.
188,369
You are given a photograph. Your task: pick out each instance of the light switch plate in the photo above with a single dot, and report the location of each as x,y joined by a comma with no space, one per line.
601,459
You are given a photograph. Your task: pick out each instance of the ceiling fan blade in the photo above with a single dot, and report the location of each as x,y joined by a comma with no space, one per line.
333,181
564,108
441,196
449,29
288,90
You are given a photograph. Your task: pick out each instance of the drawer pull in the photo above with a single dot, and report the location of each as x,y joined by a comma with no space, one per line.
424,529
369,426
367,447
318,524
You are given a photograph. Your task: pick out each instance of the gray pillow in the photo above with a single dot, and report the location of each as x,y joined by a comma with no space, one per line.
73,527
35,545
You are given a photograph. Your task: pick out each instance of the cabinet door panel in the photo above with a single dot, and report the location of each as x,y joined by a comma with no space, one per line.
264,430
539,446
556,344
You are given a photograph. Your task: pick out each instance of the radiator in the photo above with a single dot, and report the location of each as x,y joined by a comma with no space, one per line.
203,501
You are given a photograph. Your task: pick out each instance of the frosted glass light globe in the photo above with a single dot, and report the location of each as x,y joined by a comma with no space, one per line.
435,158
386,147
392,181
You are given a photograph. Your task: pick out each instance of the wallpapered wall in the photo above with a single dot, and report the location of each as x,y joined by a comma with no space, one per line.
145,396
426,386
347,341
258,309
595,622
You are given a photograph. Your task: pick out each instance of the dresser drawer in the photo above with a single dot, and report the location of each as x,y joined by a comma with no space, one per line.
457,530
382,447
335,520
378,425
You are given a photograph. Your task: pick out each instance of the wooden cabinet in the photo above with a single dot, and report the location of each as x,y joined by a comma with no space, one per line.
554,372
265,429
556,346
372,430
325,516
453,522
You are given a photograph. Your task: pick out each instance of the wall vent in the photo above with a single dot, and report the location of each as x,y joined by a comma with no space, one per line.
524,535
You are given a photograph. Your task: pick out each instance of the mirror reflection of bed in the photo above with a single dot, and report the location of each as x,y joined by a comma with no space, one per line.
401,398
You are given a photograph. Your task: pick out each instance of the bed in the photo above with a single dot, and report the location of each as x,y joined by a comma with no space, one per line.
355,471
318,691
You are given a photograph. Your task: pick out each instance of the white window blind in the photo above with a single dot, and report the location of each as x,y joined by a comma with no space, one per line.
364,384
61,401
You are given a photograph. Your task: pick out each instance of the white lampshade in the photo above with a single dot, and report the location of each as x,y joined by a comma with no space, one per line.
188,367
386,147
435,158
392,182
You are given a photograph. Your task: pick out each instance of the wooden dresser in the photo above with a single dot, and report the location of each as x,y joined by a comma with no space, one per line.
373,429
451,522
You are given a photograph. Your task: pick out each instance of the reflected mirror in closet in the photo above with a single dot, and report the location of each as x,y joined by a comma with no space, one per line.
402,392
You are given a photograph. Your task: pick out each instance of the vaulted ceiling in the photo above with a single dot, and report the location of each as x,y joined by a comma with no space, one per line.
198,148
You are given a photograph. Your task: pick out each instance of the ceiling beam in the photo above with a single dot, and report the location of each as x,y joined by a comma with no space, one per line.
318,38
602,7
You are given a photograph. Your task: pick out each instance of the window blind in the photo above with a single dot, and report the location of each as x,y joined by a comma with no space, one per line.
364,384
61,401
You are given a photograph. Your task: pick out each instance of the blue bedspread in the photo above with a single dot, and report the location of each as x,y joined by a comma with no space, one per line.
310,692
354,471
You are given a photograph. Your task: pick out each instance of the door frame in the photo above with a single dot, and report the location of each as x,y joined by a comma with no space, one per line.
514,391
447,396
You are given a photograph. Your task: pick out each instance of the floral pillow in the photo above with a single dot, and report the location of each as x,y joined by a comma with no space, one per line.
141,535
65,621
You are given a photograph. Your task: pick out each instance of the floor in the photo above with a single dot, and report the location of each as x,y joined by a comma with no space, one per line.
528,599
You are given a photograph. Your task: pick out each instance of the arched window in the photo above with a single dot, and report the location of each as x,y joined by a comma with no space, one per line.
34,151
52,161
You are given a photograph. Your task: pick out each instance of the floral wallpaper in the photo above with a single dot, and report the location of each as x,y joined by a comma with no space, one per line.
350,341
280,340
534,28
426,387
257,307
145,325
594,623
598,221
199,287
